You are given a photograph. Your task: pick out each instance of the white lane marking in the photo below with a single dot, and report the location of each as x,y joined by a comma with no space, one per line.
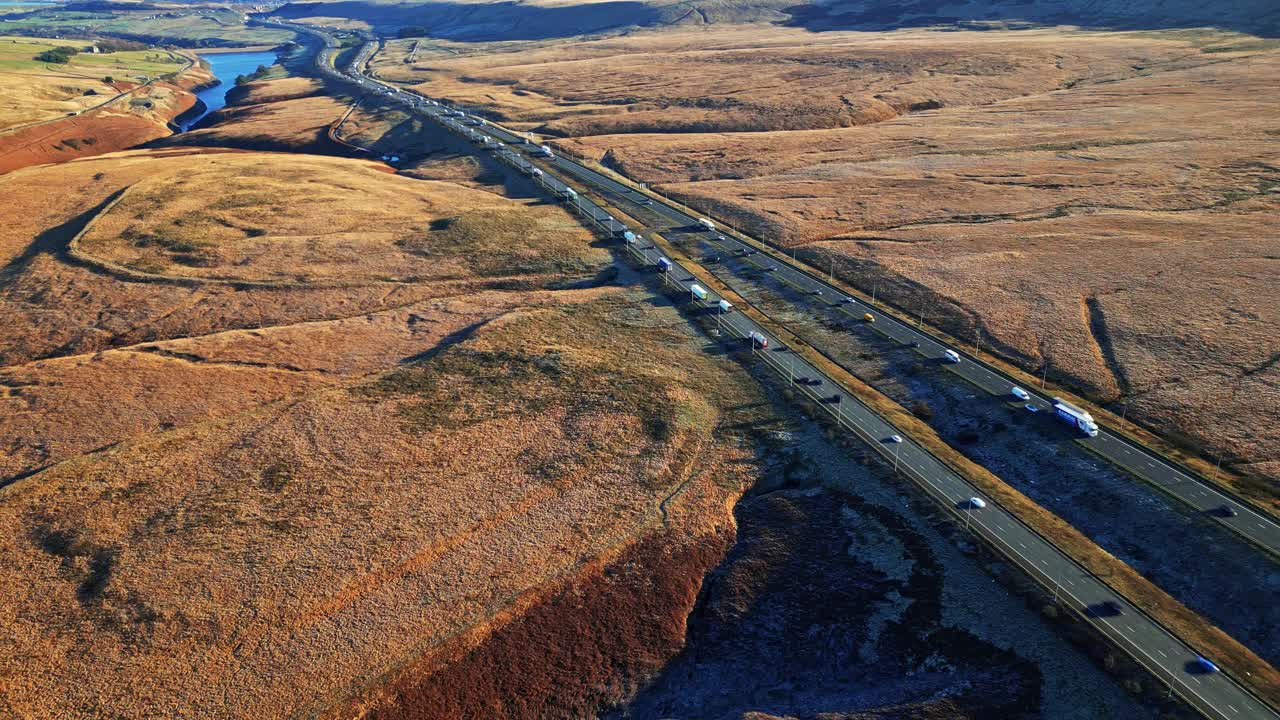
1162,653
1024,547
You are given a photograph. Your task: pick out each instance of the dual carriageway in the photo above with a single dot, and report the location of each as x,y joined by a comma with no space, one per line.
1215,694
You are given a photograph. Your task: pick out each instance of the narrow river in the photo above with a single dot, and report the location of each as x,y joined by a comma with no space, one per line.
226,66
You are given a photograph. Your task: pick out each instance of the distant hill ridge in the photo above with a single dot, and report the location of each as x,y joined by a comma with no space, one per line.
468,20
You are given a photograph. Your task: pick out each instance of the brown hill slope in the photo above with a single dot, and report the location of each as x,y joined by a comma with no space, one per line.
282,559
326,454
1117,232
188,271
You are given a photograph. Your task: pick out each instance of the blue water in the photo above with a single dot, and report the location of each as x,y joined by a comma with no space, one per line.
226,66
23,3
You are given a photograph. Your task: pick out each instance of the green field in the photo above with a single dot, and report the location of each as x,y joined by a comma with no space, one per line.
18,55
211,28
32,90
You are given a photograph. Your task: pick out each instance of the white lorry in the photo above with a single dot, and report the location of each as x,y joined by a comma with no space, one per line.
545,151
698,292
1076,417
707,224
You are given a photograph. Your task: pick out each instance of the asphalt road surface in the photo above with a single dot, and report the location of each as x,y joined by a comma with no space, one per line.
1199,494
1213,693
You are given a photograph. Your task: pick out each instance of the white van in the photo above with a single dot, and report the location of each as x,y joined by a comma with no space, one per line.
951,356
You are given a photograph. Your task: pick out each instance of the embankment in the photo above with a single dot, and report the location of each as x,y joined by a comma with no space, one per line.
135,117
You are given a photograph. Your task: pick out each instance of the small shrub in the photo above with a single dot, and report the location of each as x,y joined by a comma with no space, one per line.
921,409
55,56
276,477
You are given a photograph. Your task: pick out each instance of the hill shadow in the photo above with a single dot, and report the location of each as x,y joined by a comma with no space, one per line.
1255,17
491,21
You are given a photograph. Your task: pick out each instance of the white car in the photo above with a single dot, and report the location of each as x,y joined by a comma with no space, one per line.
977,503
894,439
1031,408
1020,393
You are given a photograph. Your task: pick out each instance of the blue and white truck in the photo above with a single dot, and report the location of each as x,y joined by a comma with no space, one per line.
1075,416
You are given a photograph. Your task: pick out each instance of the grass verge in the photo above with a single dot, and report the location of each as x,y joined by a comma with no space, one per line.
1253,492
1239,661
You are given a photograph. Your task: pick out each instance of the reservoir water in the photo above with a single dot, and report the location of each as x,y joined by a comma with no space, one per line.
225,67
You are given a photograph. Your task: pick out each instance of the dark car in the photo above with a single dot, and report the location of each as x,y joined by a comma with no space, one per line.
1109,608
1227,511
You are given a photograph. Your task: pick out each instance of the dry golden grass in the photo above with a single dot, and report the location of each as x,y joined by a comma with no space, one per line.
1245,665
269,91
33,91
52,410
301,219
287,559
754,78
297,124
141,114
1116,230
52,307
282,489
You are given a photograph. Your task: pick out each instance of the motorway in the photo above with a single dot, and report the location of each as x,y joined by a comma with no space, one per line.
1215,694
1198,493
